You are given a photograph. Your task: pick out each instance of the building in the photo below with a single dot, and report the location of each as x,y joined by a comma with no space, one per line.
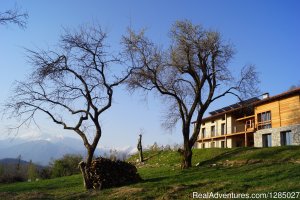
265,122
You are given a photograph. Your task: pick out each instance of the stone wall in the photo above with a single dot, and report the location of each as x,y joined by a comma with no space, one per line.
275,132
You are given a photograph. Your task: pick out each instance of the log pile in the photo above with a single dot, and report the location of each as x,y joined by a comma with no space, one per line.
106,173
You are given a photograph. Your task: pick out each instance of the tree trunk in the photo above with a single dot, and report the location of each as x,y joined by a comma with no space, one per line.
85,175
141,155
140,148
85,169
186,158
187,150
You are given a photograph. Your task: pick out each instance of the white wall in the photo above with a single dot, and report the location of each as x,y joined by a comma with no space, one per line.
217,123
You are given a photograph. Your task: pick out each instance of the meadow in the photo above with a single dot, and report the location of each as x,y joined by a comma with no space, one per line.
238,170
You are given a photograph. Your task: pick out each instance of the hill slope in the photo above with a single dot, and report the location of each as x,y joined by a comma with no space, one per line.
241,170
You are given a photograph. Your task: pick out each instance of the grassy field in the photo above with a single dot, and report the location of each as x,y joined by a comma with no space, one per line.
240,170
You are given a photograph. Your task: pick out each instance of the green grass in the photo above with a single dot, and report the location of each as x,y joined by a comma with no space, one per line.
250,170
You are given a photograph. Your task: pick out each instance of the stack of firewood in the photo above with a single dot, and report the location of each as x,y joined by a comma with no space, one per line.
106,173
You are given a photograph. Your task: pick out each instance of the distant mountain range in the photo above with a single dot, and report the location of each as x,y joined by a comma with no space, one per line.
42,151
14,161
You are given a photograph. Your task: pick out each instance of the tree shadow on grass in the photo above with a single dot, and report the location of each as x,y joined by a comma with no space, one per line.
153,155
223,156
270,152
152,180
257,153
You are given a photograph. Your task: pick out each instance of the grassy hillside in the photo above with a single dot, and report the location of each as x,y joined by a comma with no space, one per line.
240,170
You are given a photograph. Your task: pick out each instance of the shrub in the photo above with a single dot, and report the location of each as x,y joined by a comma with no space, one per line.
9,173
66,166
32,172
45,173
154,147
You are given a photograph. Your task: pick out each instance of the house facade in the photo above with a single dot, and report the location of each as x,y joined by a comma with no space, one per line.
266,122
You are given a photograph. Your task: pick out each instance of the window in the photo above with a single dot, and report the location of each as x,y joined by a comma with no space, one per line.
286,138
212,145
222,144
264,120
234,129
203,145
222,129
249,124
239,143
213,131
267,140
203,133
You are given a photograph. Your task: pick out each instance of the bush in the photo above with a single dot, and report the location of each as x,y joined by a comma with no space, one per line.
11,178
155,147
66,166
32,172
45,173
1,170
9,173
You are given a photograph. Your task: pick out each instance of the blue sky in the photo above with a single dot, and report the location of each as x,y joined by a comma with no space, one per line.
264,33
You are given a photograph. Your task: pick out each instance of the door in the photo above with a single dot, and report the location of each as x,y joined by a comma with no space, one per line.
222,144
286,138
267,140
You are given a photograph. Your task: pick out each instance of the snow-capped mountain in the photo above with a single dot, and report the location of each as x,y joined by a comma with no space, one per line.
40,151
43,150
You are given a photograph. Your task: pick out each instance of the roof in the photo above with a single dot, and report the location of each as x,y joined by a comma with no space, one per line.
249,102
231,108
234,106
279,96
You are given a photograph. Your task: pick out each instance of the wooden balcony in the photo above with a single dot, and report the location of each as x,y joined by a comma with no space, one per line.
244,125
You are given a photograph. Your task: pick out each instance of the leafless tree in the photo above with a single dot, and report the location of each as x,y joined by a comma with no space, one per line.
191,74
14,16
73,86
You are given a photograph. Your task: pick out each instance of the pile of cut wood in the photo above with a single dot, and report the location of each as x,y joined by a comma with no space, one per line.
106,173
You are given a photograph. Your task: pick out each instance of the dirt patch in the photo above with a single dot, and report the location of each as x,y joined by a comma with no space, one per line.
177,188
238,163
241,162
25,196
8,195
254,161
295,161
173,192
125,191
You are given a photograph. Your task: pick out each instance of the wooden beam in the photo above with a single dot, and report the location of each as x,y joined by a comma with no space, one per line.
279,113
225,124
243,118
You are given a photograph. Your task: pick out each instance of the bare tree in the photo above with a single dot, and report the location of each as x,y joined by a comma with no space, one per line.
14,16
73,86
191,74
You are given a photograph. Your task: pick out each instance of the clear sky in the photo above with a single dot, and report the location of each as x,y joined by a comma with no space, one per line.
265,33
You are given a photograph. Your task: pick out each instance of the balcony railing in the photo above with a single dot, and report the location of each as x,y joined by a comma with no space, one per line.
264,125
247,126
